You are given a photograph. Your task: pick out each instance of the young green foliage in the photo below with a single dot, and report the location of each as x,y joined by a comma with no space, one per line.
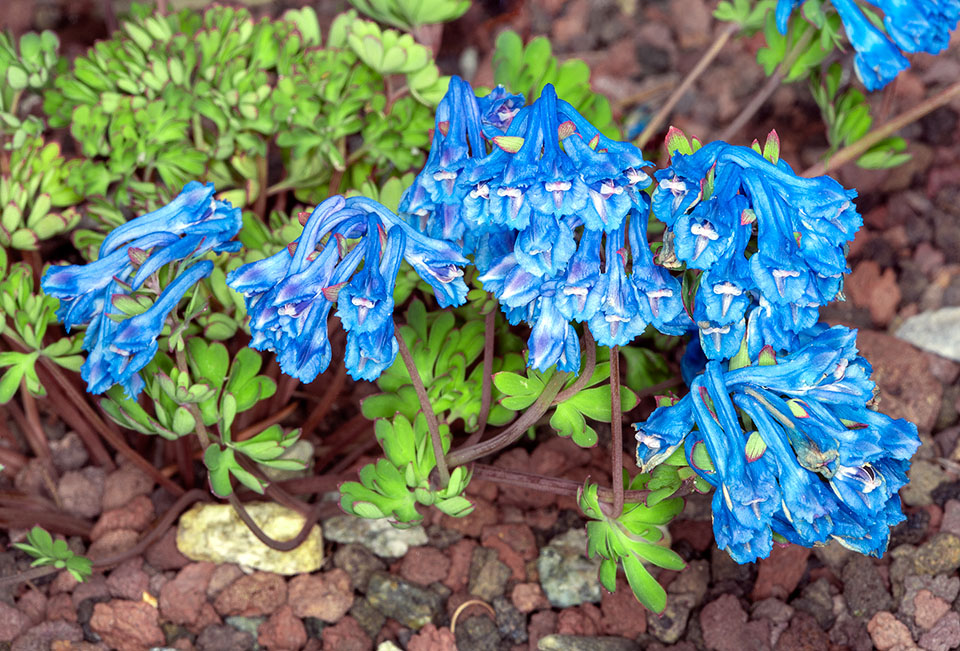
25,316
448,359
528,69
394,486
24,70
569,417
412,14
631,541
55,553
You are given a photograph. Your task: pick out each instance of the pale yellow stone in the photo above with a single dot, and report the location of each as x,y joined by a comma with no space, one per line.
214,532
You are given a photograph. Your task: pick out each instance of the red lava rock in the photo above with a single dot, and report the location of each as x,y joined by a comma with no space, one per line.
164,555
951,517
693,31
60,606
541,518
779,574
33,604
929,609
424,565
327,596
136,515
936,516
63,582
803,634
519,459
907,388
541,624
944,635
346,635
928,258
181,598
461,553
484,513
888,632
622,613
699,533
208,617
260,593
723,621
528,597
431,638
69,453
128,580
579,620
223,576
45,635
93,588
485,489
282,631
127,625
879,293
112,543
517,537
124,484
81,491
12,622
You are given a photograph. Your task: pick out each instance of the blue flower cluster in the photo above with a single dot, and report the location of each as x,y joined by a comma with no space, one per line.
711,201
290,294
191,225
804,459
547,205
912,26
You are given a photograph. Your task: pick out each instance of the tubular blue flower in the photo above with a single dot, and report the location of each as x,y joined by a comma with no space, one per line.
457,138
134,343
497,110
545,246
553,340
837,464
290,294
920,26
576,299
659,293
187,228
617,320
877,60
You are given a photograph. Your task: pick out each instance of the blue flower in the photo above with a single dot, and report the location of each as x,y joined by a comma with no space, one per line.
134,342
437,193
545,246
836,465
497,110
290,294
618,319
576,298
920,26
185,229
553,341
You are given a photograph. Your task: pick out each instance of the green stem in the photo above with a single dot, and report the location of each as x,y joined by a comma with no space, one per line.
427,409
856,149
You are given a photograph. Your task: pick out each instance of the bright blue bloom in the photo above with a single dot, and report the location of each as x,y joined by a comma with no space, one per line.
837,465
191,225
913,26
436,194
711,199
577,300
918,26
548,349
289,296
545,246
618,319
497,111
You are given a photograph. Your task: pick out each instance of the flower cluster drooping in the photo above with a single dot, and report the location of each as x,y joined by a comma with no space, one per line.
555,216
911,25
191,225
804,460
290,294
712,200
